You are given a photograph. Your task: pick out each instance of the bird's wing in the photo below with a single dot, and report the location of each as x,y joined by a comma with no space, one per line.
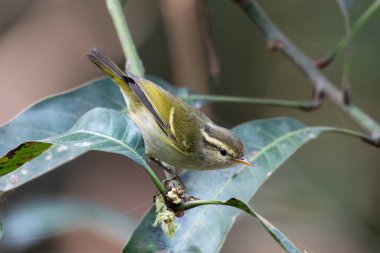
170,113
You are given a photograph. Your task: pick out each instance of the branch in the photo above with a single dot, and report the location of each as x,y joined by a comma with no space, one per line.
344,9
321,85
302,105
325,61
133,62
161,188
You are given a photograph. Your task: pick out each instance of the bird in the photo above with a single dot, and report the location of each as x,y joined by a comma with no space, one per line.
174,133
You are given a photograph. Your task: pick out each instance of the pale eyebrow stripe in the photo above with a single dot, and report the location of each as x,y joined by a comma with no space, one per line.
215,142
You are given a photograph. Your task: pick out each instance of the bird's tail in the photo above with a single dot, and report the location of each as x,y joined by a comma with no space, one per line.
109,67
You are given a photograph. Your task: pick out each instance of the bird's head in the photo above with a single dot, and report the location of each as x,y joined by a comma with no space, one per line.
220,147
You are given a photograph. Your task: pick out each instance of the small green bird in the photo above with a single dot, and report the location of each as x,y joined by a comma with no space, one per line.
174,132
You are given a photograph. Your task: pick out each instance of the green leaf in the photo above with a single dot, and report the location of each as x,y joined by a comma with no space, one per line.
57,114
203,229
285,243
105,130
31,222
53,116
99,129
20,155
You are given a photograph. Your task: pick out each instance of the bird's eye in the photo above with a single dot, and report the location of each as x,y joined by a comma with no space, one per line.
223,152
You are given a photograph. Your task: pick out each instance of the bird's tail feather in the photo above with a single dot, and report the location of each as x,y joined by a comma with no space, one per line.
108,66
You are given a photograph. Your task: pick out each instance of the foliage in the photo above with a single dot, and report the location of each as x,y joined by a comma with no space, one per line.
93,117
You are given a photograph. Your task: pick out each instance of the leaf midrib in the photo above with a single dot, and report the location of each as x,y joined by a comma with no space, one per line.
109,138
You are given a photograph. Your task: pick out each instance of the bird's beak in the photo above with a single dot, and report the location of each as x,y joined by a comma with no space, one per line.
243,160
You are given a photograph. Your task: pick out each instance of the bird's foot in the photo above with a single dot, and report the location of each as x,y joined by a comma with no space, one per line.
175,186
172,180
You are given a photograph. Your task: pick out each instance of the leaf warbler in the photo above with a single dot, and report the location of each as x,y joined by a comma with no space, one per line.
174,132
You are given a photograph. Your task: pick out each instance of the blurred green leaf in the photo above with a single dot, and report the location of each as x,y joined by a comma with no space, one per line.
203,229
30,222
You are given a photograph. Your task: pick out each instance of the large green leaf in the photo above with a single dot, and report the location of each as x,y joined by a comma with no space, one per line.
203,229
99,129
50,117
56,114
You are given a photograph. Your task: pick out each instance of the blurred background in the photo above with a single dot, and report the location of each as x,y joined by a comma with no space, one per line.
324,198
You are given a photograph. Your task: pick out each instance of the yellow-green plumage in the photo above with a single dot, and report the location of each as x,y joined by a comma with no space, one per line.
173,131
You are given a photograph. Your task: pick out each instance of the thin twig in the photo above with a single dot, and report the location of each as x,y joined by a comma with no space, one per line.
155,179
133,62
325,61
302,105
344,9
278,41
